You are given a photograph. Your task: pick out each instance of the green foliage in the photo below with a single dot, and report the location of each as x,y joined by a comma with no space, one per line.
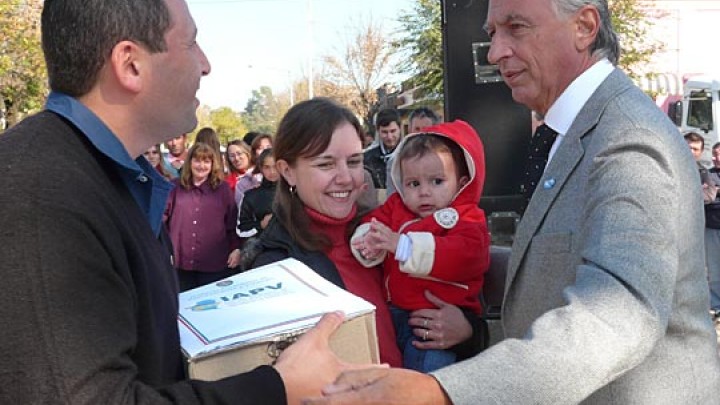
632,23
228,124
264,111
23,79
422,40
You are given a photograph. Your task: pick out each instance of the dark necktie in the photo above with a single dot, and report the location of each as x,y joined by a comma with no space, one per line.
540,144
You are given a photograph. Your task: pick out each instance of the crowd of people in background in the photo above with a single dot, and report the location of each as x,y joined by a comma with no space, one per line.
247,166
606,299
710,183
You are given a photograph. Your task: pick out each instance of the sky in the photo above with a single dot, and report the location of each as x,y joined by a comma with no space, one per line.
253,43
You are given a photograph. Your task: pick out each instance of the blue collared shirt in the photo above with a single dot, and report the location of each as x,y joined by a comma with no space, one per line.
149,189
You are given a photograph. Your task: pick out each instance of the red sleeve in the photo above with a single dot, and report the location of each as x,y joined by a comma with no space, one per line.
387,211
467,243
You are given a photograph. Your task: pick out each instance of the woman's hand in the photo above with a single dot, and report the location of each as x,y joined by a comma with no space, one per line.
439,328
233,259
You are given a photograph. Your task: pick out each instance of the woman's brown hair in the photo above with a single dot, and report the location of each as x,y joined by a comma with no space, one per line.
201,151
255,145
244,149
304,132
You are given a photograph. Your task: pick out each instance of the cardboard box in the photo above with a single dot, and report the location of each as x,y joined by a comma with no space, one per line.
244,321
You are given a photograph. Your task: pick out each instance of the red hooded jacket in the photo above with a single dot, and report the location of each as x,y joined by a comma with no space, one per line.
450,257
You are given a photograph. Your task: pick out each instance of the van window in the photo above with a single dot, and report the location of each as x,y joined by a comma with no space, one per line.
700,110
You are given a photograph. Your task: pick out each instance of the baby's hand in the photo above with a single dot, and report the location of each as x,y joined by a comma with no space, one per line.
381,237
366,252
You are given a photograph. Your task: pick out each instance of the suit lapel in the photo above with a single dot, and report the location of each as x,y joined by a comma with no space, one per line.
566,158
563,164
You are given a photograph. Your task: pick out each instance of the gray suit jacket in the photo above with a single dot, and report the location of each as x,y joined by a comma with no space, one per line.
606,297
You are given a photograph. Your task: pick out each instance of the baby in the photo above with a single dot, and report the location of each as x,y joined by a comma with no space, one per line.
434,230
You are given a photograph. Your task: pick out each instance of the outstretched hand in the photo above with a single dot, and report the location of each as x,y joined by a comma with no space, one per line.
309,364
382,386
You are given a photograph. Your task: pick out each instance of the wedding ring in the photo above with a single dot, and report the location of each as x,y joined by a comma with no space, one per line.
425,323
425,335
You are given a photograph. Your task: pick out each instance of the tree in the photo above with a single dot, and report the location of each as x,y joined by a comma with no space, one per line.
632,22
422,41
23,78
228,124
263,111
361,67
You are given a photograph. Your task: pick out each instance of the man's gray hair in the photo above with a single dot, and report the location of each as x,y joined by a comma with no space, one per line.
606,43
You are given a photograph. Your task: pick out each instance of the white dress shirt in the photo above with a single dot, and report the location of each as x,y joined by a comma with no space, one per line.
565,109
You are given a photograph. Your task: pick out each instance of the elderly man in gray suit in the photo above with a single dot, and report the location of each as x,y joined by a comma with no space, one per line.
606,297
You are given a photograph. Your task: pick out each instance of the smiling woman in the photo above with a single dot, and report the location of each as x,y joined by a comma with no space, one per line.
318,153
200,216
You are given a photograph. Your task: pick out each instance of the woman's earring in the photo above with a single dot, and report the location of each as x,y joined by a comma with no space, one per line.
292,190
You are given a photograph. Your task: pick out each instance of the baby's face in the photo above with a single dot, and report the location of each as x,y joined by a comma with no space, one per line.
429,182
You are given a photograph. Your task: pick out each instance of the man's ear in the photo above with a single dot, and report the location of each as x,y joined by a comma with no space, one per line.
587,21
286,171
127,61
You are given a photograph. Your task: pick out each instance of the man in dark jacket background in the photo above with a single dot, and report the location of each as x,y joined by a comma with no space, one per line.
389,132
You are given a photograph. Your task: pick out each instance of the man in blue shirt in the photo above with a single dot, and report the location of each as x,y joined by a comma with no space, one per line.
89,298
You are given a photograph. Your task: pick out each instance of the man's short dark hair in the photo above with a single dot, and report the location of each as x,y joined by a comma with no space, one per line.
250,137
386,117
79,35
424,112
695,137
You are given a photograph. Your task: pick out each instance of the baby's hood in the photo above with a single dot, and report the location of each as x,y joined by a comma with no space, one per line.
465,136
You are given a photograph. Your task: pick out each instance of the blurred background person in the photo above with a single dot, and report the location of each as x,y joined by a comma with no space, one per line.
209,137
201,217
368,140
249,137
260,142
712,237
177,153
154,155
388,127
237,156
256,208
419,119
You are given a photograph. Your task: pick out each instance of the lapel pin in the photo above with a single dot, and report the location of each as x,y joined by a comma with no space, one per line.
549,183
